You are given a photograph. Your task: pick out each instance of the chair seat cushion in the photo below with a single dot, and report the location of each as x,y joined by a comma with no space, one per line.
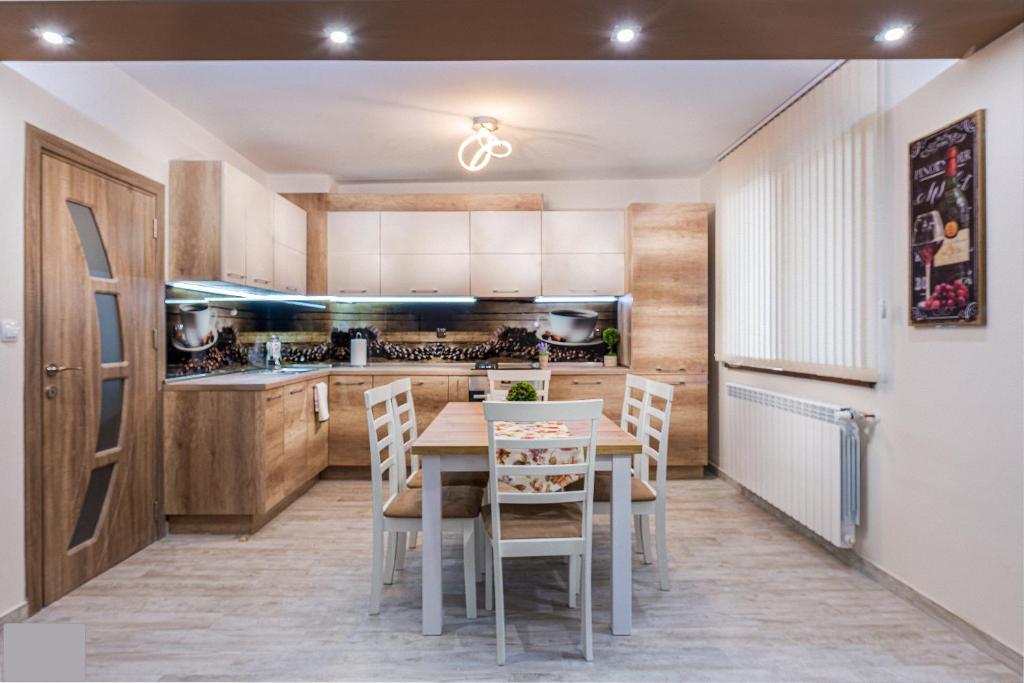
478,479
457,502
553,520
640,491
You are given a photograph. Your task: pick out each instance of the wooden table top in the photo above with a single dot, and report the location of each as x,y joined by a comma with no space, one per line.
460,429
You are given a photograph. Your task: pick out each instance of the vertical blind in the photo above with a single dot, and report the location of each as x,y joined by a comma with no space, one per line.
795,215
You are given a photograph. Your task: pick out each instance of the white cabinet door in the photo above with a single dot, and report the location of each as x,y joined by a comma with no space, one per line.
584,232
583,274
259,238
505,232
353,274
424,232
353,232
233,202
289,270
289,224
424,275
505,275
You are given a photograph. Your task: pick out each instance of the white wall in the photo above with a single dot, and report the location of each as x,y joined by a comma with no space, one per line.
149,133
558,194
942,501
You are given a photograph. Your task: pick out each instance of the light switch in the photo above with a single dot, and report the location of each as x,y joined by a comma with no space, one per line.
9,330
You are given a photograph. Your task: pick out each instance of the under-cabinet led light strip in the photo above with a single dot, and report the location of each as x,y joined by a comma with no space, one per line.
234,294
574,299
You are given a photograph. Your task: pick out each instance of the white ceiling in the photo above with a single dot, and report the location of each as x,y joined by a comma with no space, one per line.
387,121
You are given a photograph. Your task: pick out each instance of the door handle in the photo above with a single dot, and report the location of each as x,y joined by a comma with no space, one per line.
52,370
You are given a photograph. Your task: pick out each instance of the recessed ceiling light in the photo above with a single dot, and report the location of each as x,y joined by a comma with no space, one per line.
893,34
339,37
53,37
625,34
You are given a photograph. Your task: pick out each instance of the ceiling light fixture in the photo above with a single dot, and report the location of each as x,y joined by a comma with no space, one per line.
625,34
893,34
53,37
338,37
488,145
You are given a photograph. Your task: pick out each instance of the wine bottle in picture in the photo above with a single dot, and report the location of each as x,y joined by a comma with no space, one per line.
954,207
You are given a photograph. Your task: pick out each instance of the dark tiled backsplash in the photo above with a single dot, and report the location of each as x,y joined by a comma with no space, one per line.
411,332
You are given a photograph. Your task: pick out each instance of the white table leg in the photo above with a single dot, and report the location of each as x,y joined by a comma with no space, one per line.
622,556
433,615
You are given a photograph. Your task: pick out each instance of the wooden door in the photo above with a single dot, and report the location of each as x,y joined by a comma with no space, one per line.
99,288
348,443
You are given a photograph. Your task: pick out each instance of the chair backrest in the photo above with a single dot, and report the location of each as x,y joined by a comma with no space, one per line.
634,402
405,413
654,426
583,416
499,382
387,456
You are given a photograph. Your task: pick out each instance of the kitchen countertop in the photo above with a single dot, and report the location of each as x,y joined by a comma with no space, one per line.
263,380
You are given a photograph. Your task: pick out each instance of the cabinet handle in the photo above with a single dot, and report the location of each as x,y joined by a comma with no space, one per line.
351,291
297,391
339,383
581,382
592,290
425,291
658,369
420,383
505,291
292,289
261,280
274,397
238,275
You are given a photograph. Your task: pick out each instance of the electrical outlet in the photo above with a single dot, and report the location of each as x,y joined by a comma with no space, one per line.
10,330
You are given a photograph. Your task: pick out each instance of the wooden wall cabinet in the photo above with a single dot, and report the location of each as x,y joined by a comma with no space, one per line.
234,459
667,248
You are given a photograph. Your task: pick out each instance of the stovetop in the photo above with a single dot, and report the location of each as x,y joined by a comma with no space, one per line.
505,364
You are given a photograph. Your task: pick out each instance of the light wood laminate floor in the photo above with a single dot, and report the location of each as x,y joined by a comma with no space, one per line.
751,600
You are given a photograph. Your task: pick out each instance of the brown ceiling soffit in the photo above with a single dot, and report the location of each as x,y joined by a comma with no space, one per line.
422,30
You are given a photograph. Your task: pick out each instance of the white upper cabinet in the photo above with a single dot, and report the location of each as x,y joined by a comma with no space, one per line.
424,274
505,232
584,232
259,237
584,274
353,232
289,224
496,276
424,232
233,206
289,246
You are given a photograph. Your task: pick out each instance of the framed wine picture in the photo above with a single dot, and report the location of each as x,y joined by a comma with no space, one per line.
947,224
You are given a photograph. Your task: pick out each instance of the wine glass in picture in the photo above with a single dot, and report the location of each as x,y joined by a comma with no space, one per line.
927,240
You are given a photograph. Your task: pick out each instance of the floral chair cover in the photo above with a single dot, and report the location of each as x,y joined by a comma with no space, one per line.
537,456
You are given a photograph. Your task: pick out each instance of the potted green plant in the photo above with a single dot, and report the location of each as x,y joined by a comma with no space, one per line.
521,391
611,337
543,354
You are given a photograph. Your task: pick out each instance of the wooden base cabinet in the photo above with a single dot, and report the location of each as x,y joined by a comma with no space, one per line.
688,428
234,459
349,443
579,387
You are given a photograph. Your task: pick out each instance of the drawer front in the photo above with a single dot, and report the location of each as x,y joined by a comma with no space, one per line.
583,274
353,232
348,443
353,274
424,232
610,388
424,275
289,270
505,275
584,232
688,426
505,232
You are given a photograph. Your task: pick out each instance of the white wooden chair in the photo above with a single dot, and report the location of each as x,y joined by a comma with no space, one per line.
529,524
648,423
499,382
398,511
405,413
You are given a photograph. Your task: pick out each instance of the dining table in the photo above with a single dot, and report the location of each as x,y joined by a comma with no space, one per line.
456,441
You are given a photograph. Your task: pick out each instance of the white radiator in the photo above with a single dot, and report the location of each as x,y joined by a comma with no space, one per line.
801,456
